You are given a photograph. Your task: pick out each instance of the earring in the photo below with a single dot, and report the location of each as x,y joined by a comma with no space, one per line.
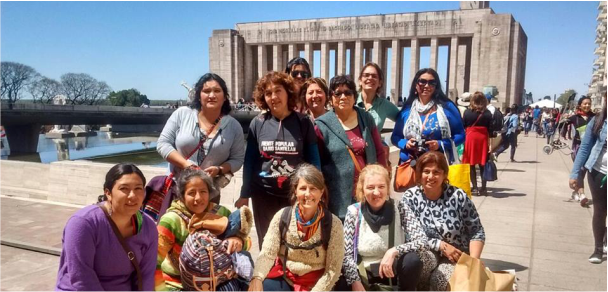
110,209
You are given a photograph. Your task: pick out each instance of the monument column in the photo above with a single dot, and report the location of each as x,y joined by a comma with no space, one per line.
293,52
325,60
248,72
262,60
414,58
396,71
277,55
309,55
434,54
358,57
378,52
341,59
453,67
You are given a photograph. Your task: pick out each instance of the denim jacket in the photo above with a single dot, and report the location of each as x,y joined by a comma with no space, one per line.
586,154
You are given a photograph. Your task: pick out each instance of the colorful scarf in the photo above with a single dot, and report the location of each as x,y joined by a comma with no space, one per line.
413,125
312,224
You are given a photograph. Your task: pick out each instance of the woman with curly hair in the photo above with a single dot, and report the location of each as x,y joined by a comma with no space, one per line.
279,140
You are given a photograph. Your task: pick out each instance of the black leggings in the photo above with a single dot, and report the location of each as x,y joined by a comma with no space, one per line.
598,194
407,268
474,176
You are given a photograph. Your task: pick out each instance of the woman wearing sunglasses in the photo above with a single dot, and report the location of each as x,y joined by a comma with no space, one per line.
348,140
299,70
428,121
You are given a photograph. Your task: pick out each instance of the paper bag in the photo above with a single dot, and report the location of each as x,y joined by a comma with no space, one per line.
470,274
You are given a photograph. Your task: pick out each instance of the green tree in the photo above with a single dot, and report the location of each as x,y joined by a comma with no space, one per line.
15,77
128,97
563,98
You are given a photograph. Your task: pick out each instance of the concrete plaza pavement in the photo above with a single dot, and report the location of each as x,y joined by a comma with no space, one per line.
530,226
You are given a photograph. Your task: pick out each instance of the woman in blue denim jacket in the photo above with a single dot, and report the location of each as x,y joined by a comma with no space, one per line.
592,156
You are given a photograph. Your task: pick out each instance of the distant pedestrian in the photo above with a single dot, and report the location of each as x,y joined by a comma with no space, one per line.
509,135
536,119
528,120
592,156
97,239
477,120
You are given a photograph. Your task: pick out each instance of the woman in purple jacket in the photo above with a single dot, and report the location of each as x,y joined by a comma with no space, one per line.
93,257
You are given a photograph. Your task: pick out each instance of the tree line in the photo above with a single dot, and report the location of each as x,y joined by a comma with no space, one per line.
77,88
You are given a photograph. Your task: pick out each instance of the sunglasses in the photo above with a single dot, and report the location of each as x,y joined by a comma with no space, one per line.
346,93
424,82
302,74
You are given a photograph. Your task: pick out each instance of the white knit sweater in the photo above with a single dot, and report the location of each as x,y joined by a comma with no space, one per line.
301,261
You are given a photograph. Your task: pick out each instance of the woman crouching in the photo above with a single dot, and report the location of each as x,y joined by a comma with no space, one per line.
376,231
448,217
193,211
304,247
96,239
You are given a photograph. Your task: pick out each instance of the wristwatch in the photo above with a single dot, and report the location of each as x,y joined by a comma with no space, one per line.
219,170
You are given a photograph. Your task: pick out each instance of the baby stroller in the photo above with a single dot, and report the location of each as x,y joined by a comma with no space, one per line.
554,142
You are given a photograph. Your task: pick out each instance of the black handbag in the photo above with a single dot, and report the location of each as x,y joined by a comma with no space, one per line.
490,173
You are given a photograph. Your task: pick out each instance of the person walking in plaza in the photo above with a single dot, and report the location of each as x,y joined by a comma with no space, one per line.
477,121
369,98
579,121
299,69
592,156
98,238
546,120
348,140
279,139
314,97
428,121
458,231
528,119
304,247
203,135
194,205
375,230
536,116
509,135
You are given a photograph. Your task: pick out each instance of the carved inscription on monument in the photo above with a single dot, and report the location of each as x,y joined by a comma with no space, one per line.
347,26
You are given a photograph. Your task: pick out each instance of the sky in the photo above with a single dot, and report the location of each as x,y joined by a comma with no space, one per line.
153,46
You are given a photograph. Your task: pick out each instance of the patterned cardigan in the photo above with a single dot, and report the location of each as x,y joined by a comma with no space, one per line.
415,239
451,218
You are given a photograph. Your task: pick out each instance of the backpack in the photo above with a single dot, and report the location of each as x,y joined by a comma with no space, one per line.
497,123
326,223
204,262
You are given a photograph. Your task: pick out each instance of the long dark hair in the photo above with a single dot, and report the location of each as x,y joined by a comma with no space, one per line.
599,120
438,96
196,101
115,173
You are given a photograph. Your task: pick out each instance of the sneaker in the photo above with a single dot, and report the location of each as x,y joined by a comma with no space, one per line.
584,201
575,196
596,257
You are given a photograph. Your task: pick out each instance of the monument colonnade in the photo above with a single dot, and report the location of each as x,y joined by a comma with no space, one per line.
483,49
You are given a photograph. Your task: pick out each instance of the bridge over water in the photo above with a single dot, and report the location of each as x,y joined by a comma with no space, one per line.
22,122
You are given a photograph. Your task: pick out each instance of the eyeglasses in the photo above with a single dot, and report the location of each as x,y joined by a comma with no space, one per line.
370,75
424,82
346,93
302,74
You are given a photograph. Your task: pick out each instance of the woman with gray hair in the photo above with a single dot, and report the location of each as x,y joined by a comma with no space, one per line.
195,192
304,246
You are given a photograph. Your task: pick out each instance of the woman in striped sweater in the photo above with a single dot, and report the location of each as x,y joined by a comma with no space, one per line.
195,192
375,231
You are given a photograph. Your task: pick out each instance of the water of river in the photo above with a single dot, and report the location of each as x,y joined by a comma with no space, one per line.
102,147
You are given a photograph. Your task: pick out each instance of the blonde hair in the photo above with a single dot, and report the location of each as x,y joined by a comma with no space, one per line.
368,170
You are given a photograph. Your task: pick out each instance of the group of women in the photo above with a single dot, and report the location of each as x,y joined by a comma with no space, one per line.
316,171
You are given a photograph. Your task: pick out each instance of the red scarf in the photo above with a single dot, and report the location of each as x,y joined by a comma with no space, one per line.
300,283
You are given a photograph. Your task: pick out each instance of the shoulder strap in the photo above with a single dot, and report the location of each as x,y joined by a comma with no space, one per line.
391,233
478,117
284,223
352,156
128,250
326,225
357,223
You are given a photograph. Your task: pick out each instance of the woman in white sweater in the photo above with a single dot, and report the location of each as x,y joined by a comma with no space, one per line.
304,246
375,232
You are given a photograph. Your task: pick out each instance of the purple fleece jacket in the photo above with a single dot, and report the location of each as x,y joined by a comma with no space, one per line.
93,259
